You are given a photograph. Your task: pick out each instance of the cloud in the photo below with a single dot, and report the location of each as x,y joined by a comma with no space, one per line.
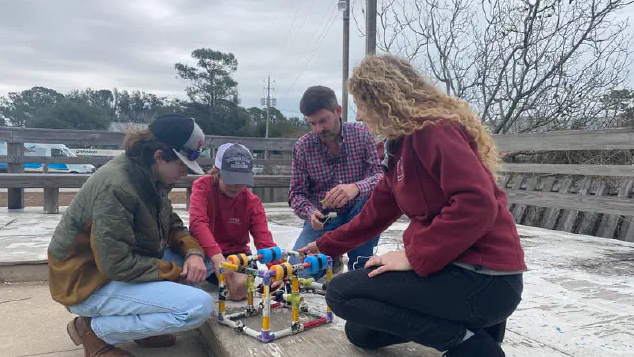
134,45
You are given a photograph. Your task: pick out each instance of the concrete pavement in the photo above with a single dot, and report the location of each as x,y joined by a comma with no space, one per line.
34,325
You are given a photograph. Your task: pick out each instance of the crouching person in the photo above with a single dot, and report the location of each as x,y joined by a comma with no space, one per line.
224,215
106,255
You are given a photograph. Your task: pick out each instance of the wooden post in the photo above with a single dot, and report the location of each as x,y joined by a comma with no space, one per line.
550,216
51,200
15,196
568,219
610,222
518,211
589,220
629,235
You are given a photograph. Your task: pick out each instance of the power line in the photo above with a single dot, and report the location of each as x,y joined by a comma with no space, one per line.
312,55
299,2
317,31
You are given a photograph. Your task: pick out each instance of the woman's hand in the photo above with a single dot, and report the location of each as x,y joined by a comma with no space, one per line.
390,261
311,248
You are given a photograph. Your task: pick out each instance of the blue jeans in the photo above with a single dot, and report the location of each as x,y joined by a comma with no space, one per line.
357,257
171,256
123,312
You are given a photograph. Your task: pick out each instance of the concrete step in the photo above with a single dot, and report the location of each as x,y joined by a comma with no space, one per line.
32,324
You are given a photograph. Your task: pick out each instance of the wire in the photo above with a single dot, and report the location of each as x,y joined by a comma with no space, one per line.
312,55
288,35
315,33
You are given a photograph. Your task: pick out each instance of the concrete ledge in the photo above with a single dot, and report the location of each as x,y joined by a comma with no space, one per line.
321,341
15,272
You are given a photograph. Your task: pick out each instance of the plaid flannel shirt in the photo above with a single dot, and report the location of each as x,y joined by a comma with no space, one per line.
316,170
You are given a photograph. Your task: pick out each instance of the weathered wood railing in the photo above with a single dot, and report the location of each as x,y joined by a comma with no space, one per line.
589,199
269,188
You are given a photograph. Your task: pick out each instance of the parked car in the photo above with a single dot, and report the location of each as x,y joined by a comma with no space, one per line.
50,150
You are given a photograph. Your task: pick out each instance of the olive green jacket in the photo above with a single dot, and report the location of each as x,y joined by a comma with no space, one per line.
116,228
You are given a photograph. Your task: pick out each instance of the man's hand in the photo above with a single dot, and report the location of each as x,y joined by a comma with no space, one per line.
311,248
390,261
194,269
217,259
314,221
340,195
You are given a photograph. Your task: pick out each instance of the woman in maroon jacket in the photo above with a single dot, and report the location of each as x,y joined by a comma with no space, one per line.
460,275
223,212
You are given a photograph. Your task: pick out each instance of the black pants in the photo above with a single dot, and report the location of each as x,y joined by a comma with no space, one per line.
398,307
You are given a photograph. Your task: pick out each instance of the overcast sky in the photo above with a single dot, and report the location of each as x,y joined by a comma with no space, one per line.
133,44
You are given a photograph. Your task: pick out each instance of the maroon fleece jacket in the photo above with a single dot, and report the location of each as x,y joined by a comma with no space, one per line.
457,212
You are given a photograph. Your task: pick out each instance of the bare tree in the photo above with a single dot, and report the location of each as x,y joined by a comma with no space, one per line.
524,65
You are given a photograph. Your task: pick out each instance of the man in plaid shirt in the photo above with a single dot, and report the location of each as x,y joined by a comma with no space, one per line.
335,168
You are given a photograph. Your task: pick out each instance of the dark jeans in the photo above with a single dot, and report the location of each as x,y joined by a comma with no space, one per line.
357,257
398,307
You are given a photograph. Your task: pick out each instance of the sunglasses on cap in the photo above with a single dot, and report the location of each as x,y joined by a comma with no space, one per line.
190,154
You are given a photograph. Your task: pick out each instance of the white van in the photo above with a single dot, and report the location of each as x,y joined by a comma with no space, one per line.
50,150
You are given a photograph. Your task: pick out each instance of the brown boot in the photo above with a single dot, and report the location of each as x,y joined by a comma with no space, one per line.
157,341
80,332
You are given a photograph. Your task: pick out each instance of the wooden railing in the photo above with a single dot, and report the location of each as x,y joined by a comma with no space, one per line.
588,199
268,187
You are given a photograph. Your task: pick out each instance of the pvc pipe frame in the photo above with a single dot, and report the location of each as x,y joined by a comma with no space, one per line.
265,335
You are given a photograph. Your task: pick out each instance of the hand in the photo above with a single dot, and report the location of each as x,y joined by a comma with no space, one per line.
390,261
340,195
217,259
194,269
314,221
276,285
311,248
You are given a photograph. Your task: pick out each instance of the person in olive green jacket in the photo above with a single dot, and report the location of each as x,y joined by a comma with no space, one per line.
105,257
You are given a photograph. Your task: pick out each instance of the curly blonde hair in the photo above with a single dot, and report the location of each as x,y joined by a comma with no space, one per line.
394,100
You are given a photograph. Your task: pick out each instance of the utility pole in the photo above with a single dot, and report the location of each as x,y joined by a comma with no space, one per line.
370,26
345,6
269,102
268,106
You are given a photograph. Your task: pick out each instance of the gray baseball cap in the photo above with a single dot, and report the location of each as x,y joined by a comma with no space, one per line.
235,163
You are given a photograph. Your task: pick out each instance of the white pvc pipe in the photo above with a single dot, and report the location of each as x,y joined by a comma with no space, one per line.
251,332
283,333
229,323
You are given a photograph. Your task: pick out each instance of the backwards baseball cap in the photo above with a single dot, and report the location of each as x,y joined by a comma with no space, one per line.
182,135
235,163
